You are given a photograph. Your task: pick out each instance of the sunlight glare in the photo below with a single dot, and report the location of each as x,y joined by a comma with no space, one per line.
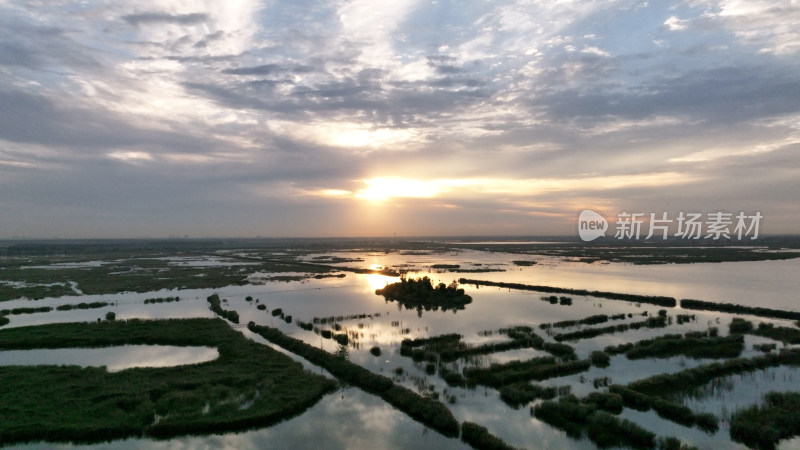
380,188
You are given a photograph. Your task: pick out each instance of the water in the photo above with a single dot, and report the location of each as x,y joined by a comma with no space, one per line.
361,420
113,359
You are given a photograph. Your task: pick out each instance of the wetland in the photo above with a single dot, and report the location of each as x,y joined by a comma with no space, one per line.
542,345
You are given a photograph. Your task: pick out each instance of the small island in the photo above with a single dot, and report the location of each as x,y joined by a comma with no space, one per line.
419,294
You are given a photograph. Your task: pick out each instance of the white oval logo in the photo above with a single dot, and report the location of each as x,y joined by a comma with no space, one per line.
591,225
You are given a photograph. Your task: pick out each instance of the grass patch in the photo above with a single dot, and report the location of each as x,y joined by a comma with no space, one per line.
762,426
90,405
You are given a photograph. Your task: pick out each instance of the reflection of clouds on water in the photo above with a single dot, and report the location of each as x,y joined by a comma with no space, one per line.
113,358
357,421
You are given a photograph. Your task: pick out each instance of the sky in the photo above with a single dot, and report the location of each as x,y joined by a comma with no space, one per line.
362,118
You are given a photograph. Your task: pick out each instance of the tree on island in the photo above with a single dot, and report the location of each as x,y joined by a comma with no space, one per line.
420,294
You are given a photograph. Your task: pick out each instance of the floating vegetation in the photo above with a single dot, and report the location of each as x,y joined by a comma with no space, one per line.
419,294
376,351
305,325
25,310
261,307
277,312
654,300
739,309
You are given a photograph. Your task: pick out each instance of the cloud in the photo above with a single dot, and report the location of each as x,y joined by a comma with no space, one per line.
160,18
507,112
264,69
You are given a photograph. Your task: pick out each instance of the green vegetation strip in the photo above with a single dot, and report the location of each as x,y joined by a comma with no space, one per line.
668,410
654,300
541,368
522,393
90,405
739,309
768,330
448,347
44,309
480,438
588,333
591,320
675,344
763,426
427,411
685,380
231,315
578,419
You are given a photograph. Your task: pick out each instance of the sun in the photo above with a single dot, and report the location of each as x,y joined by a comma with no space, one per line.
380,188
